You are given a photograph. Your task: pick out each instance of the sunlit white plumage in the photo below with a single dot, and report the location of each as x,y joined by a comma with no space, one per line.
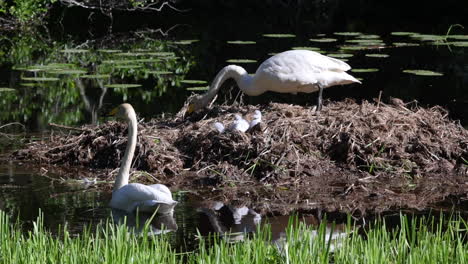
291,71
240,124
129,197
256,119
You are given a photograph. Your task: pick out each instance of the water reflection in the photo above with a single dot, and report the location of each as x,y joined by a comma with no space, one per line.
156,224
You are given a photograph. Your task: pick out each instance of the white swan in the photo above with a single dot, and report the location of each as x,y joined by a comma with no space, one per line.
129,197
291,71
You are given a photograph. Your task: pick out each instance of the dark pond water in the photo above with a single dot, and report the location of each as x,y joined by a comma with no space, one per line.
77,204
76,70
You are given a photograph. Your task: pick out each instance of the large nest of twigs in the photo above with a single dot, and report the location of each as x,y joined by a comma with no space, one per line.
368,156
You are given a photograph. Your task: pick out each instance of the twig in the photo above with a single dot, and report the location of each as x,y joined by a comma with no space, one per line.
68,127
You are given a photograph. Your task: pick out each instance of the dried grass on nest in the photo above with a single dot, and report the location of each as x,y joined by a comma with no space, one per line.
294,141
103,147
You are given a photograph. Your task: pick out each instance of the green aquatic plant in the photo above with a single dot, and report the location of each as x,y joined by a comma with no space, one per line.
423,72
279,35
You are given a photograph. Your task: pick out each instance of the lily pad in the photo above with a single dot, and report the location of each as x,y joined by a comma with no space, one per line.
307,48
377,55
118,61
324,40
96,76
354,47
241,61
68,71
6,89
428,37
370,36
74,51
365,70
459,43
423,72
198,88
405,44
458,37
128,66
186,41
123,85
241,42
367,42
109,50
40,79
160,72
193,81
348,34
279,35
340,55
402,33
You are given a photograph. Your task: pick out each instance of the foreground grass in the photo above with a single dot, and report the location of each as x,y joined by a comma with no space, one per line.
415,241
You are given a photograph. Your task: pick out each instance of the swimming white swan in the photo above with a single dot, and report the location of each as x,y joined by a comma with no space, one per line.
291,71
129,197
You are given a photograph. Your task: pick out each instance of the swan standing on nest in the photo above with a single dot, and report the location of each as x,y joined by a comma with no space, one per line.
291,71
129,197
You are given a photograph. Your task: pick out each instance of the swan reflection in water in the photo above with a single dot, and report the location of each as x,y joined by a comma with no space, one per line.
235,222
136,221
231,221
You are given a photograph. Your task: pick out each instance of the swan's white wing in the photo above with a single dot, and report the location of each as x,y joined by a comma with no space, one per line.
134,195
300,71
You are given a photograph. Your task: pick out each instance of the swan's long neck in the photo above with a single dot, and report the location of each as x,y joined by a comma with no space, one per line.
239,74
126,163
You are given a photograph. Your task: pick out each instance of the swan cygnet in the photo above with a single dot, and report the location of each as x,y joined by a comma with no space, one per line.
292,71
132,196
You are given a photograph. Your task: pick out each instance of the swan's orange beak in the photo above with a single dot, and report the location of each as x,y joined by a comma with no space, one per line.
113,112
191,108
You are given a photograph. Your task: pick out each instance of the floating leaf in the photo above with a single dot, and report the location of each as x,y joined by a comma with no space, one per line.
423,72
340,55
96,76
349,34
118,61
405,44
279,35
377,55
368,42
458,37
123,85
428,37
365,70
29,84
6,89
306,48
74,51
324,40
368,36
160,72
129,66
151,60
193,81
109,50
321,35
241,61
186,41
354,47
199,88
40,79
241,42
68,71
402,33
459,43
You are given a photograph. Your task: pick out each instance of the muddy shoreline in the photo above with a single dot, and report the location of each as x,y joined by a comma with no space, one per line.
361,158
